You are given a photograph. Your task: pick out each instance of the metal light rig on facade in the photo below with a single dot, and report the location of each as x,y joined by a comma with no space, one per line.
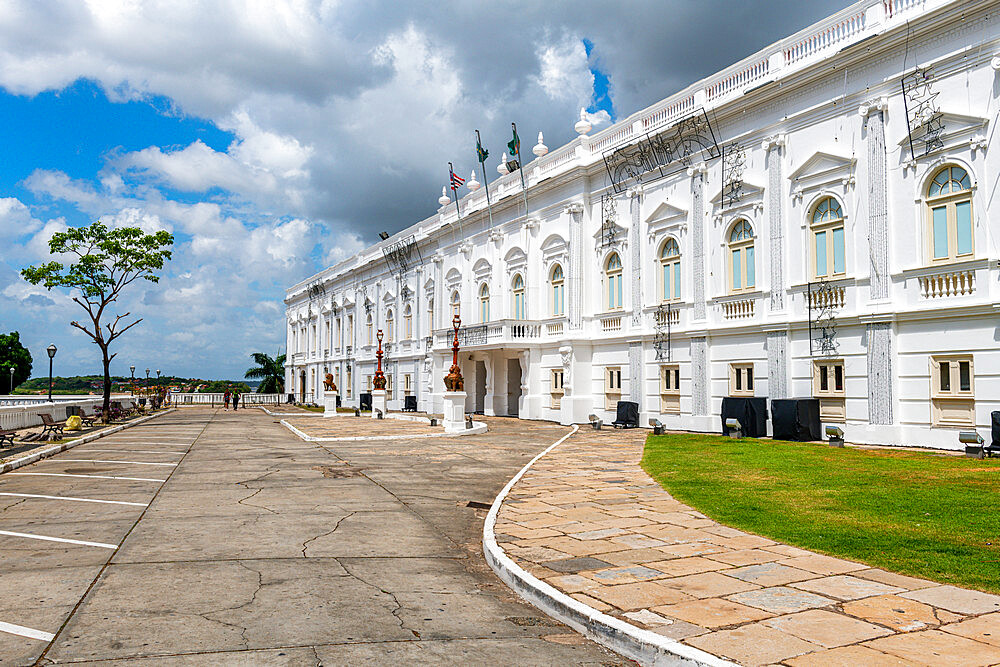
661,327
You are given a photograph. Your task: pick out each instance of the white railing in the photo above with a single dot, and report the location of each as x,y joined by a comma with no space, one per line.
19,399
554,328
826,37
611,324
664,317
832,297
218,398
738,308
952,283
27,416
738,80
667,112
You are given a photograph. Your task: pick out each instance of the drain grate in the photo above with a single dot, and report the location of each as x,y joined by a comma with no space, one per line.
475,504
529,621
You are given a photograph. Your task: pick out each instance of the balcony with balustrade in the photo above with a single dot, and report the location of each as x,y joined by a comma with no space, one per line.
494,334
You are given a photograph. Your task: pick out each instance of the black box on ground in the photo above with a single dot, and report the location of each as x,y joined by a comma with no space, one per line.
796,419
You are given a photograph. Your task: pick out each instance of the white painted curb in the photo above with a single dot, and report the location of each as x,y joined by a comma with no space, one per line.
643,646
45,453
477,428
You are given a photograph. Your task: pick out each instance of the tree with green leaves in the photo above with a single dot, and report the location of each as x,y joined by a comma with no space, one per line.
270,372
16,356
104,262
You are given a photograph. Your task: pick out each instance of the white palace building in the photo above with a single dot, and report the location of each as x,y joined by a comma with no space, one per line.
819,220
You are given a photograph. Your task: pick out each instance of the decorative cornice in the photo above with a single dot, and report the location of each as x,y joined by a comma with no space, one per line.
978,143
776,140
695,169
573,208
878,104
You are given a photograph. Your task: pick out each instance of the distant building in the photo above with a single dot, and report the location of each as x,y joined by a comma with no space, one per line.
820,219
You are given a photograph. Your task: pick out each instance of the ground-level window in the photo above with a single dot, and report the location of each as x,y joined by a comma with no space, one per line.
670,388
953,395
368,383
828,387
388,386
741,379
348,391
556,390
407,384
612,387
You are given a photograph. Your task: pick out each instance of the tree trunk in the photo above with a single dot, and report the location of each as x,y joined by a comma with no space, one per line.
106,409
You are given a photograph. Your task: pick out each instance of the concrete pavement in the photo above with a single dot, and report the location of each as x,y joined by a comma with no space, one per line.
259,548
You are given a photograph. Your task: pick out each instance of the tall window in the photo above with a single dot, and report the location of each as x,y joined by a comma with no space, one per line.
949,203
741,253
350,329
369,329
389,326
484,303
670,269
408,322
558,291
456,304
613,275
518,288
340,332
430,315
828,239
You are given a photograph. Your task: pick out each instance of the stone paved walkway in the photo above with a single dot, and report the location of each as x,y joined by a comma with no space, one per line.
589,521
365,426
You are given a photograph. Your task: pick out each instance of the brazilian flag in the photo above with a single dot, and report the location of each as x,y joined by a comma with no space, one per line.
481,152
514,144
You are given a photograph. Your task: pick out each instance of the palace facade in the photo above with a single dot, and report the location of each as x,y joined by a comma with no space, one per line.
818,220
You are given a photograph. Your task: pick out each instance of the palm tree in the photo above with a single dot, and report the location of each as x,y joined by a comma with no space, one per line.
270,372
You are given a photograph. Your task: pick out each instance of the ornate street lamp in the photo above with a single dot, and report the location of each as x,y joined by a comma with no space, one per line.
132,383
379,381
453,381
11,379
51,349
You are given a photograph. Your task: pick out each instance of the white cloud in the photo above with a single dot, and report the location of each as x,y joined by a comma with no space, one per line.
564,73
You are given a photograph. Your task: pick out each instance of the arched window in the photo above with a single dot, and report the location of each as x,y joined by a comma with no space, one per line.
407,322
558,291
949,204
670,269
456,305
828,239
518,289
741,252
613,276
389,326
369,329
484,303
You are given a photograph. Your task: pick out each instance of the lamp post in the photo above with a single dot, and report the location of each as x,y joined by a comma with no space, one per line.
147,382
132,383
11,379
379,381
51,349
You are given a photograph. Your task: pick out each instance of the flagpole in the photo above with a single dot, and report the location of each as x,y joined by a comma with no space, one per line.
520,162
486,181
454,190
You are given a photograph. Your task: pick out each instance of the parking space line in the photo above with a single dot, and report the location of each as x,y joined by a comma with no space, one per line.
133,451
48,538
66,474
81,500
134,463
22,631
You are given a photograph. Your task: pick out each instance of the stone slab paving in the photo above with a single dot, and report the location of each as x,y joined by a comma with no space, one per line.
589,521
262,549
364,426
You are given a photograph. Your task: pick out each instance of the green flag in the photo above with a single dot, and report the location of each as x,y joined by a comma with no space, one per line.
514,144
482,152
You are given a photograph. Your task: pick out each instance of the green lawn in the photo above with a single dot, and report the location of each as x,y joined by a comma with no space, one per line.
927,515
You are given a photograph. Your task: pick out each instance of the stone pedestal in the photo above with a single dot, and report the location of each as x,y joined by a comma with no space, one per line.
378,402
330,403
454,410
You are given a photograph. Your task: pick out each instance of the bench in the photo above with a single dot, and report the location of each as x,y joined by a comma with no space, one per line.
51,426
87,420
8,435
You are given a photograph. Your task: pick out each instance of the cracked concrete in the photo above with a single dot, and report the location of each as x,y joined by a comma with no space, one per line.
257,550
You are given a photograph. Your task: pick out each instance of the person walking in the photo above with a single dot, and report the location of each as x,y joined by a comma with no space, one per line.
225,399
236,400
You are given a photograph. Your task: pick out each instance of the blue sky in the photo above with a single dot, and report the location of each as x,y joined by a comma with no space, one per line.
278,138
